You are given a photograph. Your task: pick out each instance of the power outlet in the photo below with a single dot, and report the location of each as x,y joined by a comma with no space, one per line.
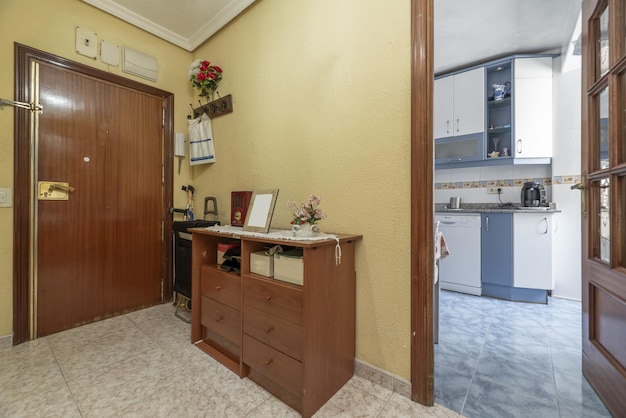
494,190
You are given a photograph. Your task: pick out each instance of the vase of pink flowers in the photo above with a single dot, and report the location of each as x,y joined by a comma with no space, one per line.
305,217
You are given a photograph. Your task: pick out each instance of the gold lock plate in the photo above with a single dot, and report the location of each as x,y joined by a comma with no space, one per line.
53,190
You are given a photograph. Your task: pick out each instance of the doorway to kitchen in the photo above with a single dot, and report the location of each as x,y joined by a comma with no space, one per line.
92,195
603,193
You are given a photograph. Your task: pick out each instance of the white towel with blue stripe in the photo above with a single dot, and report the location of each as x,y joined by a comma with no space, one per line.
201,148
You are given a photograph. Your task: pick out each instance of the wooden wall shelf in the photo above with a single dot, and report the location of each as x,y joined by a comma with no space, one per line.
216,108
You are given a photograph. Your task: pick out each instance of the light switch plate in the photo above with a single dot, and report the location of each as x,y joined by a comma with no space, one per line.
86,42
5,198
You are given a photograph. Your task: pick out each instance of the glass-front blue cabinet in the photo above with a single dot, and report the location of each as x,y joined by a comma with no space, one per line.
459,149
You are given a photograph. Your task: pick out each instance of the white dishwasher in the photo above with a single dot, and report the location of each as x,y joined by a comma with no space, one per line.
460,271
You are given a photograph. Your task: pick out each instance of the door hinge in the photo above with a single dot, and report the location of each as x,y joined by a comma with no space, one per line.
162,232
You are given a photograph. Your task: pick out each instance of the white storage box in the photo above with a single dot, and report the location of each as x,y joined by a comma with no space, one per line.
261,263
289,267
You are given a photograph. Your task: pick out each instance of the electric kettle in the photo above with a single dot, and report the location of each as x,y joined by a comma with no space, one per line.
533,194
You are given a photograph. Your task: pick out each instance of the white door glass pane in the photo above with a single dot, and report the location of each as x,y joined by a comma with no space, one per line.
603,43
603,116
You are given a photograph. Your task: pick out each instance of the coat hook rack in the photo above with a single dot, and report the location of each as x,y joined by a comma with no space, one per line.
219,107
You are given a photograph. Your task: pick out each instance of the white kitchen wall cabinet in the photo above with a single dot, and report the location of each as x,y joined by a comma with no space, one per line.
532,251
459,104
511,128
532,93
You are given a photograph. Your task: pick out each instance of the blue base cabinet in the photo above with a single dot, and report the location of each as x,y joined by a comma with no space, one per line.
498,260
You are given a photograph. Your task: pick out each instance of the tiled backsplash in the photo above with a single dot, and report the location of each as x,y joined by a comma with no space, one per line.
547,181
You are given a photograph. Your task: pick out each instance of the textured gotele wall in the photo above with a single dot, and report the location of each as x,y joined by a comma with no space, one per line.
321,94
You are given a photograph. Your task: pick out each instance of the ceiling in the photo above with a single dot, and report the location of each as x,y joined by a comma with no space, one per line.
473,31
466,32
185,23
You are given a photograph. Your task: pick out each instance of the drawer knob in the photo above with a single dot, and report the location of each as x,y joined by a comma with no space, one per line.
268,298
218,287
269,329
268,361
219,318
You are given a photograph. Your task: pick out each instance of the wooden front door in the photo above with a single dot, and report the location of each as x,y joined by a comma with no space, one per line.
100,210
604,202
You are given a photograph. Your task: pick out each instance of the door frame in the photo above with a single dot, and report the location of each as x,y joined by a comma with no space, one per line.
422,203
23,159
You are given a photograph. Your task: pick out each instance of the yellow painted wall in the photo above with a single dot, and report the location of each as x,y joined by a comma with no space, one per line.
321,105
321,93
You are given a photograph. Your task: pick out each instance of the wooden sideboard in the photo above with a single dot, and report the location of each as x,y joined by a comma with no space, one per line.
297,342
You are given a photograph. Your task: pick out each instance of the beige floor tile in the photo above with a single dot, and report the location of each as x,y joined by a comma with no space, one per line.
143,364
182,401
42,404
274,408
351,402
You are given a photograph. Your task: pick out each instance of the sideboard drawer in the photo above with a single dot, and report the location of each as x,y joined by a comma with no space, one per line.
274,365
222,286
221,319
281,300
276,332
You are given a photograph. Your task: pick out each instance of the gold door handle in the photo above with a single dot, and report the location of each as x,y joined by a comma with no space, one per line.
578,186
53,190
62,186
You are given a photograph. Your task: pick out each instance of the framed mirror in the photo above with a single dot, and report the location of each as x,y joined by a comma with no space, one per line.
260,211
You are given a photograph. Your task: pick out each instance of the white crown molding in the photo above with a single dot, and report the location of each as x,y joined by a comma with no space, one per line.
140,21
205,32
228,13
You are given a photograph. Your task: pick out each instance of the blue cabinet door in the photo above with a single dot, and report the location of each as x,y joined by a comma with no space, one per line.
497,250
459,149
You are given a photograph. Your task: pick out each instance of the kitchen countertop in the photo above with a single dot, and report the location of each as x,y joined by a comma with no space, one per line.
491,208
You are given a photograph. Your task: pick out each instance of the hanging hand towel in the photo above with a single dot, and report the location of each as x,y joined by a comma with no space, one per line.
201,149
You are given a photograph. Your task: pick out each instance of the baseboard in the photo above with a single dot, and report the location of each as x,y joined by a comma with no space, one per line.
6,342
383,378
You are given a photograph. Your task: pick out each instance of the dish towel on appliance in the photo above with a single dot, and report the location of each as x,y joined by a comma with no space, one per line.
201,149
441,250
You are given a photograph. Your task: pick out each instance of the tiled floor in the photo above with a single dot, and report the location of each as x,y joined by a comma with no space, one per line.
508,359
143,365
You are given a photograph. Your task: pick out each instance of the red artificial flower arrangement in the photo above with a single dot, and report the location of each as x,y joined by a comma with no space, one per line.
204,77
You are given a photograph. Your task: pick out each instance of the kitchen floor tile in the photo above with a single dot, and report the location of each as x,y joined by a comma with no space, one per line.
489,399
528,363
